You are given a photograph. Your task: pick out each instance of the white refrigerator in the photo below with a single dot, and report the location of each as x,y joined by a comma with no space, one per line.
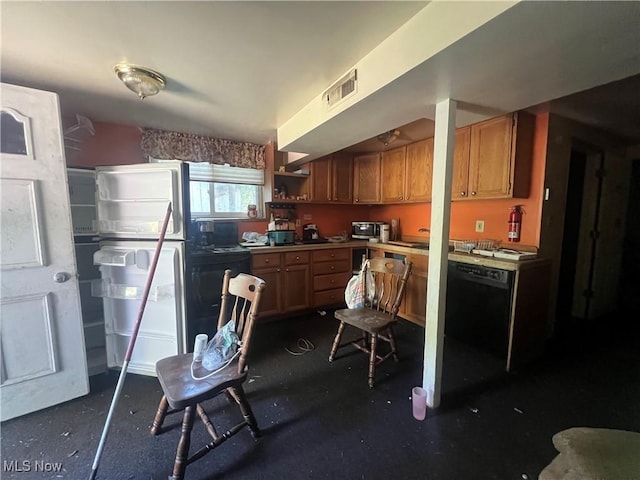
131,203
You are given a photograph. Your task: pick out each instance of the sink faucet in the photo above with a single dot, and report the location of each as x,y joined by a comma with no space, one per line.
424,229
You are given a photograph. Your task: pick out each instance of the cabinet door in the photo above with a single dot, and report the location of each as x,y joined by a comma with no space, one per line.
460,178
342,178
393,175
490,158
270,303
321,180
414,306
419,171
366,173
296,292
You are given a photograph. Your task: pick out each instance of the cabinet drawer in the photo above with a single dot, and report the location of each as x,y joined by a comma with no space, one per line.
265,260
327,282
339,266
329,297
296,258
335,254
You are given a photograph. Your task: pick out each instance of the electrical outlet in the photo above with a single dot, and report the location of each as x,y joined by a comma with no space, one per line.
479,225
298,222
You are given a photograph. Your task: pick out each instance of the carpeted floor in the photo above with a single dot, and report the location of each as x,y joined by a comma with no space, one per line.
321,420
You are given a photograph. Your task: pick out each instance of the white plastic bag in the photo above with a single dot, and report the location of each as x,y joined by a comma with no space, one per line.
354,293
222,347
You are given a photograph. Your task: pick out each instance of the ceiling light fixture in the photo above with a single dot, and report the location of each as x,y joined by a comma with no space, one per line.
389,137
144,82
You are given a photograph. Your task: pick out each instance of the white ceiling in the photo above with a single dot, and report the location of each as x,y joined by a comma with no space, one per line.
243,70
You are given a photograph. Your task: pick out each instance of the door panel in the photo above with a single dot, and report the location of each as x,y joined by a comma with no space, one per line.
41,337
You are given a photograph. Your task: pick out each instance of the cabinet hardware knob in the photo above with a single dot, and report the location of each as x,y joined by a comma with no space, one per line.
333,267
278,270
474,193
286,269
357,200
462,194
297,258
400,198
266,260
333,281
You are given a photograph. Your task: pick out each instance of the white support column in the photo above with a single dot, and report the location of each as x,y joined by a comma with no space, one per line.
444,139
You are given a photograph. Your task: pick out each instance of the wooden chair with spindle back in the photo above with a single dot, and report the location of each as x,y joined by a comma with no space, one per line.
240,302
379,314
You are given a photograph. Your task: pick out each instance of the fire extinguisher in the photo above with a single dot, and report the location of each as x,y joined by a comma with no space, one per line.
515,223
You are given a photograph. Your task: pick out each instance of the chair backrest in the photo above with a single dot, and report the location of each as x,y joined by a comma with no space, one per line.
240,302
390,278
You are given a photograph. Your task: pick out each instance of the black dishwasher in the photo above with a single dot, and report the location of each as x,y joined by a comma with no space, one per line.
479,306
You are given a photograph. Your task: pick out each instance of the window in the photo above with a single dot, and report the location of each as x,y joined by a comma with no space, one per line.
218,199
222,191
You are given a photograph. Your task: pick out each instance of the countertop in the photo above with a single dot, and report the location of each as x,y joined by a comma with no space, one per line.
470,258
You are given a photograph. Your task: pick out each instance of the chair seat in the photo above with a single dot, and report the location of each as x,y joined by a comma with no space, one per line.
372,321
181,390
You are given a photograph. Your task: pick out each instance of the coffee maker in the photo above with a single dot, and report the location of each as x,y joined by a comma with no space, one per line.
310,232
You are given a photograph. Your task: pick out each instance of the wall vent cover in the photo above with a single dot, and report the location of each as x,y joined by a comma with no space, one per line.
342,89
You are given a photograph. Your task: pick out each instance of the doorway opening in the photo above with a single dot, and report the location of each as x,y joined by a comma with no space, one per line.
629,285
580,237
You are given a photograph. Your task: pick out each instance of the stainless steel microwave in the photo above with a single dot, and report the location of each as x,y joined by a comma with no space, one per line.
366,230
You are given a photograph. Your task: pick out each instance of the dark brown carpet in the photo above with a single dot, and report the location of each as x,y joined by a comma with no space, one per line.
321,420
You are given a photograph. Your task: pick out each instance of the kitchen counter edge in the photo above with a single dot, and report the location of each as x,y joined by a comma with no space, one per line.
493,262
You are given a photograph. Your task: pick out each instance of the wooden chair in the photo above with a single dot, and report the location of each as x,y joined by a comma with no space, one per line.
182,393
376,319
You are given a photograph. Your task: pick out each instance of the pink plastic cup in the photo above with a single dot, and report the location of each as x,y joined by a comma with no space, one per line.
419,402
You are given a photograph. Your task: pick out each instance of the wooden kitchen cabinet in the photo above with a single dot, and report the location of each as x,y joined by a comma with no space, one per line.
267,267
332,179
295,281
493,158
288,279
419,171
302,279
414,304
367,178
331,273
408,173
393,172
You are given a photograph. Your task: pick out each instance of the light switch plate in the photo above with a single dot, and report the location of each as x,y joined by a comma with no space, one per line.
480,226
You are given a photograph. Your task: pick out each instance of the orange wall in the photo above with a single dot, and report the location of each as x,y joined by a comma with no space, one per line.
494,212
111,145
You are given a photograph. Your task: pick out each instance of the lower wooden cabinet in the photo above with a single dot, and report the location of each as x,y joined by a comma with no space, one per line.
303,279
414,304
331,273
296,279
288,281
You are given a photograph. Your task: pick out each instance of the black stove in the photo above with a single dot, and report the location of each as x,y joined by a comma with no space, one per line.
219,254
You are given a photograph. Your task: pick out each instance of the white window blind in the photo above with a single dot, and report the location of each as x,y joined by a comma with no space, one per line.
207,172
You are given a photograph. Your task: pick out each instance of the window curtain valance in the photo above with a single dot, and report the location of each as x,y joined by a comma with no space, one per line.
196,148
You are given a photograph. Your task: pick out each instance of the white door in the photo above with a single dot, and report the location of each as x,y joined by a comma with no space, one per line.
41,338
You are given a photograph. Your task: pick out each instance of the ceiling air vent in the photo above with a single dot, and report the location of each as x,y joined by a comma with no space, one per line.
343,88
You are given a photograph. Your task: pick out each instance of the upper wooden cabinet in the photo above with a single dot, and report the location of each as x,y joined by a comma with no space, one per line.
497,154
419,171
367,178
407,173
332,179
393,173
